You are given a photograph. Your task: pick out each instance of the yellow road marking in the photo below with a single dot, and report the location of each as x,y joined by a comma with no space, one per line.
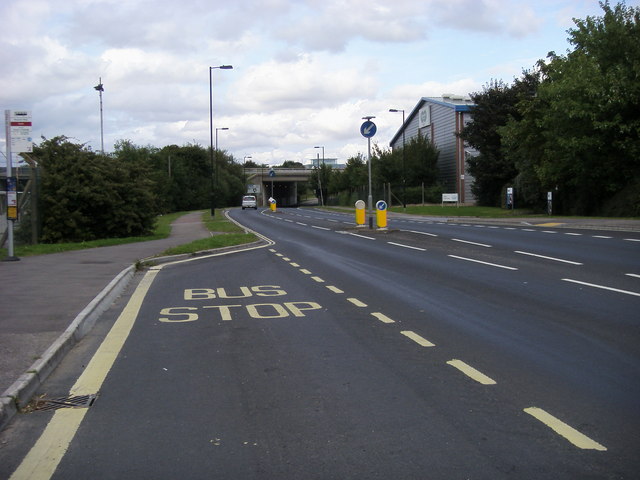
293,264
334,289
575,437
471,372
44,457
305,271
417,338
357,302
318,279
550,224
382,317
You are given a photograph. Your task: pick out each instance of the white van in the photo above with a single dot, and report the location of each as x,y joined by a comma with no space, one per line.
249,201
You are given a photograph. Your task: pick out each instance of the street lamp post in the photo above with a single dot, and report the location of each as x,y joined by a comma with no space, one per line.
244,172
321,172
404,189
100,89
213,197
217,162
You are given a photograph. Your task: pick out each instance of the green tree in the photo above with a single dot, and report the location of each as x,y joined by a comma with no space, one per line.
85,196
407,172
491,169
583,128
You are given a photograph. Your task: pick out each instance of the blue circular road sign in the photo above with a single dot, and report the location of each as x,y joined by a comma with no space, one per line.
381,205
368,129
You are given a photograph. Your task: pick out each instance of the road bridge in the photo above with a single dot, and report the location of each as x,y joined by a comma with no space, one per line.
277,182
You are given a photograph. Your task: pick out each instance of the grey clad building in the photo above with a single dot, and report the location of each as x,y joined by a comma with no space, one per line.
440,120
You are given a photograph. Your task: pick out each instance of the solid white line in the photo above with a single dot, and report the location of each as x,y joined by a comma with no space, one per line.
471,243
548,258
361,236
320,228
420,233
635,294
575,437
633,275
407,246
484,263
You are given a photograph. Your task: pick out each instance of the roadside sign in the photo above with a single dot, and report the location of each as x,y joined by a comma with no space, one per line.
381,205
272,173
368,129
19,130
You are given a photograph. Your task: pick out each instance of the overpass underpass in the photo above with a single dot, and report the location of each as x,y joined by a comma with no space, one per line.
281,183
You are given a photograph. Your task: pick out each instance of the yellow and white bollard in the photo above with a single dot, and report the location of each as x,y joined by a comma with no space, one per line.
272,204
360,213
381,214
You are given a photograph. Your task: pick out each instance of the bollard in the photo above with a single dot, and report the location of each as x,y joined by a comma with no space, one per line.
360,213
272,206
381,214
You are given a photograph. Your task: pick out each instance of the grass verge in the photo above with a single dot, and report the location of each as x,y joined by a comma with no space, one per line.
227,234
230,234
464,211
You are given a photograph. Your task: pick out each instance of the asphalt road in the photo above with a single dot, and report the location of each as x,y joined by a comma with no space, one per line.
432,351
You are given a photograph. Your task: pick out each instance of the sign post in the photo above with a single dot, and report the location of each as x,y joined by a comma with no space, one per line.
381,214
368,129
18,135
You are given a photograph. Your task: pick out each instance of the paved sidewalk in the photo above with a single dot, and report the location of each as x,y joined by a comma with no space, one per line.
40,296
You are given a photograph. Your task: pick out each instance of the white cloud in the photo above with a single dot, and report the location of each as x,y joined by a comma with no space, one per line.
305,83
305,72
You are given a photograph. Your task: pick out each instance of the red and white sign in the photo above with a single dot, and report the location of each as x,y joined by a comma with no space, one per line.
19,130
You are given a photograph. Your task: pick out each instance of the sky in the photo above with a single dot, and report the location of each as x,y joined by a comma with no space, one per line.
304,73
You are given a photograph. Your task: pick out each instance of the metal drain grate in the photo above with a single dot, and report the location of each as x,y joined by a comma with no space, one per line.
73,401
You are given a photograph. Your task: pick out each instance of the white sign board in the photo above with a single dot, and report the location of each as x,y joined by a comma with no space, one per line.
449,197
18,124
424,116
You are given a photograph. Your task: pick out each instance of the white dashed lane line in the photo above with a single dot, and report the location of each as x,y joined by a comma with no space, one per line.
569,433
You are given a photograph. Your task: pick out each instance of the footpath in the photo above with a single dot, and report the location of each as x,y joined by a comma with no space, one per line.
48,302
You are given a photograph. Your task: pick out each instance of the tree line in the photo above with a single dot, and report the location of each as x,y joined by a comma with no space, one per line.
569,126
84,195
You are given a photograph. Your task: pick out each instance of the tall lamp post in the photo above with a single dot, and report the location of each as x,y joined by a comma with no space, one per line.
213,196
217,162
404,190
320,172
100,89
244,172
